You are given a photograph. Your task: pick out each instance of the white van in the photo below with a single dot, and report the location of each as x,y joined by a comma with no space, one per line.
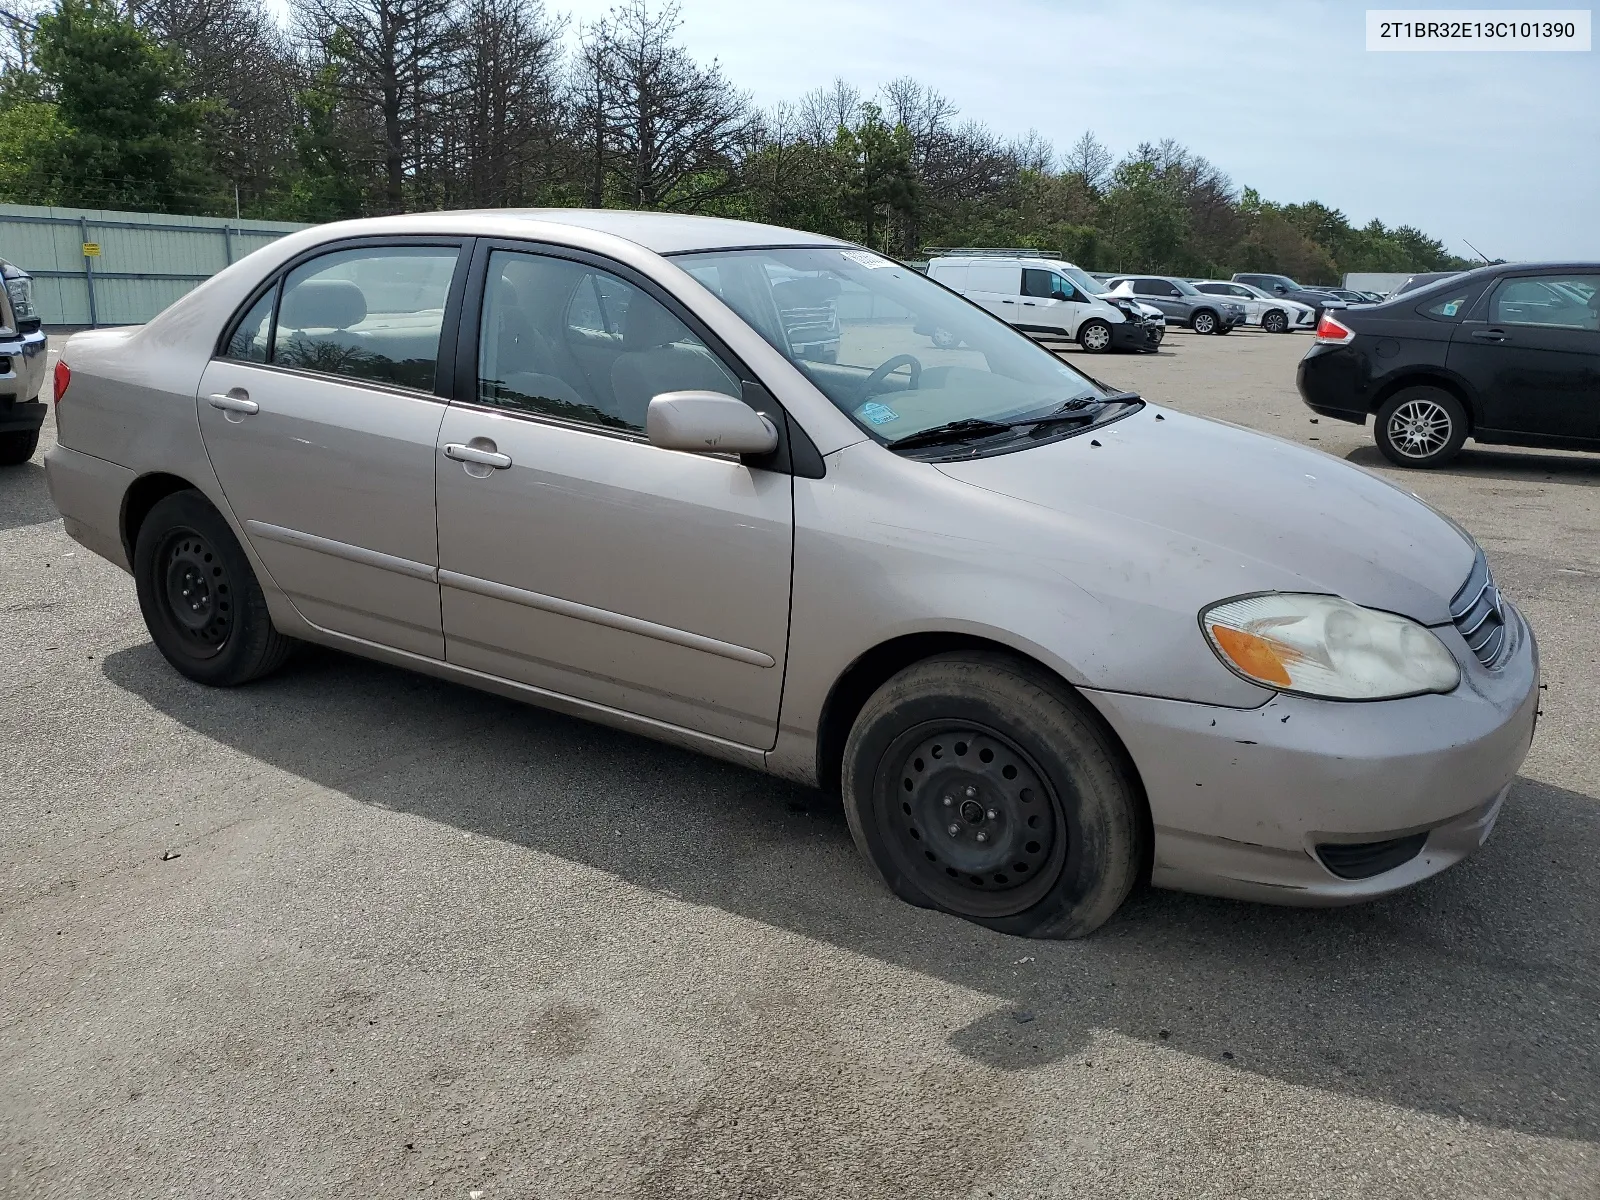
1051,297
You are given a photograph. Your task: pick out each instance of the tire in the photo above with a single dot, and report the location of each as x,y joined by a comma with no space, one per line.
1275,321
17,448
1204,321
953,739
944,339
1420,427
1095,337
185,555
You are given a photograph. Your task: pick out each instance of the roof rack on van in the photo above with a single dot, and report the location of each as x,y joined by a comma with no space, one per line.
993,251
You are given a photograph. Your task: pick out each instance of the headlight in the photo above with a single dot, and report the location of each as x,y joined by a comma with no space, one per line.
1327,647
21,293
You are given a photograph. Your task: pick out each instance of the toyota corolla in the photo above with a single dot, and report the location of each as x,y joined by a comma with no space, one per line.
1044,637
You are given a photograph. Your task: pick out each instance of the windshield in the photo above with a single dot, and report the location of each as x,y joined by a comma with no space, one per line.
895,351
1086,281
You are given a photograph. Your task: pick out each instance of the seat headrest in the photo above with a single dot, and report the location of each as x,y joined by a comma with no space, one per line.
323,304
648,325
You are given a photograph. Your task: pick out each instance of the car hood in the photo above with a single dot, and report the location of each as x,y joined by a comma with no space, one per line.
1201,510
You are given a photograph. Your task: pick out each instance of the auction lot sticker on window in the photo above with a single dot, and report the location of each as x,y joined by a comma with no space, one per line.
1457,29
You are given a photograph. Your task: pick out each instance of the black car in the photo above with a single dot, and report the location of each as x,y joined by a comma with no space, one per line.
1282,285
1506,354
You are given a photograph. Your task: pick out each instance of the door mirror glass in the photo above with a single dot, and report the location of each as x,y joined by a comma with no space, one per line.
708,423
1280,289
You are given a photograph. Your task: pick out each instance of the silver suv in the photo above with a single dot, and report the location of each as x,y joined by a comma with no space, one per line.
22,358
1181,302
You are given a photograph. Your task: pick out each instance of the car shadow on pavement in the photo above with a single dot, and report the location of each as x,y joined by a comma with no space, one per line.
1498,463
24,497
1472,996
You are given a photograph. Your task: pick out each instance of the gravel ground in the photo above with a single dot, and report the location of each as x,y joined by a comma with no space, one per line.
355,932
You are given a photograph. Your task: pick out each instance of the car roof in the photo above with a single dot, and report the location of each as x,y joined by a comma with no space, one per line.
664,233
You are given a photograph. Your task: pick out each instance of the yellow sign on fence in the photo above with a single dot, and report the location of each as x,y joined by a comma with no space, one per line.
91,249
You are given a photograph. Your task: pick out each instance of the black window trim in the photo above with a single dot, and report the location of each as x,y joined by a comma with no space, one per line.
796,453
1516,276
444,367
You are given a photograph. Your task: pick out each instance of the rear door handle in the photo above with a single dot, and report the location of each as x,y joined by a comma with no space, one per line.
471,454
1490,335
234,404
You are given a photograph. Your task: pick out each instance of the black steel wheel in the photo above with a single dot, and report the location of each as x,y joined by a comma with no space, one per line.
1275,322
201,602
982,786
1204,321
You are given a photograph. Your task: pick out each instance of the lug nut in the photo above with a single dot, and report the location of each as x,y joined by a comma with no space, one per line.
955,830
993,814
971,791
949,801
982,836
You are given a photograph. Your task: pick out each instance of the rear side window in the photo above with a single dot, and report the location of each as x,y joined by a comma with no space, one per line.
251,337
1453,305
1556,301
372,313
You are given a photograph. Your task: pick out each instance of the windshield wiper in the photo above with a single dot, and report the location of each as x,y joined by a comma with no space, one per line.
1079,408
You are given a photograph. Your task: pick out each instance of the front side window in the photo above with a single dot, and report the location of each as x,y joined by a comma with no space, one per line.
1045,284
250,340
567,340
1559,301
909,355
373,313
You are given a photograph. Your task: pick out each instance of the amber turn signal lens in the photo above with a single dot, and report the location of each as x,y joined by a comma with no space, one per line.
1257,657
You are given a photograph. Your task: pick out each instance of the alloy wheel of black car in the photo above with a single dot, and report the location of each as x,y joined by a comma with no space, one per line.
1205,321
1420,427
1275,322
1095,337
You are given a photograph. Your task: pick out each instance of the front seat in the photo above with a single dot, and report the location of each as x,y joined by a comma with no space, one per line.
654,359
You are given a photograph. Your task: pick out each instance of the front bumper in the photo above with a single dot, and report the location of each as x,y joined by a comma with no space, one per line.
22,361
1241,798
1136,335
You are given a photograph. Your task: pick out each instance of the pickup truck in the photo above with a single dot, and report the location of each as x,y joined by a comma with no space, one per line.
23,350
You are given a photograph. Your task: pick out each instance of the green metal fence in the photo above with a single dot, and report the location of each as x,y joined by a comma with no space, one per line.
121,268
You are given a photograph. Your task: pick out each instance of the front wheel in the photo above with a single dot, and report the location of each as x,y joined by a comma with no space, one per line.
1420,427
1275,322
1204,321
1095,336
18,448
945,340
979,786
200,599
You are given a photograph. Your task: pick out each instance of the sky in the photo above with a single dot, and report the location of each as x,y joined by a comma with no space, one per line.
1499,149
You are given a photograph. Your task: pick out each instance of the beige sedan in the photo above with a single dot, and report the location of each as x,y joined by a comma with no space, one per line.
714,483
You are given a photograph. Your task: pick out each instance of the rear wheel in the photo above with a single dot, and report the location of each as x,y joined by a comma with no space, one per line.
17,448
1420,427
1095,336
1204,321
977,785
200,599
1275,322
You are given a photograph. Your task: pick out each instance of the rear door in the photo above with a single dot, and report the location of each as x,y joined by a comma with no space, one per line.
1533,353
320,415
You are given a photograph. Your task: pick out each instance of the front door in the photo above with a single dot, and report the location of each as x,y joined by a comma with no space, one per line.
576,557
1533,353
321,424
1049,301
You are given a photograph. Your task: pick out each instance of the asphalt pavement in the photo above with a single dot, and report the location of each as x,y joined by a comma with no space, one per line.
354,932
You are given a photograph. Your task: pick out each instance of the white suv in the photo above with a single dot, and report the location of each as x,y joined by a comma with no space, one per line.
1050,297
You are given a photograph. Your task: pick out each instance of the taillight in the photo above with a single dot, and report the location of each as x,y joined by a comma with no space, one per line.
1329,329
63,378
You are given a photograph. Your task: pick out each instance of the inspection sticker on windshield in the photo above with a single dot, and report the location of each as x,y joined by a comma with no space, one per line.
871,261
877,414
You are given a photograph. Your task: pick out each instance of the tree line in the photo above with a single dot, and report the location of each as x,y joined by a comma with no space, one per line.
359,107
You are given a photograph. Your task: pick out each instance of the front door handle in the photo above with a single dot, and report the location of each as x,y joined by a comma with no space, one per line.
240,403
1490,335
472,454
1008,302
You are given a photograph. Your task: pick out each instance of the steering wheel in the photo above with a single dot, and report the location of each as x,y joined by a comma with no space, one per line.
889,367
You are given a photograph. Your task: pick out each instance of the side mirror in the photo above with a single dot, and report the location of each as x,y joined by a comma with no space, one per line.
1280,289
708,423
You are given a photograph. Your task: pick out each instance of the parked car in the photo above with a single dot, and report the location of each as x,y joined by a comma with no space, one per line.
23,352
1037,295
1045,638
1181,302
1286,288
1272,313
1347,296
1508,354
1423,280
